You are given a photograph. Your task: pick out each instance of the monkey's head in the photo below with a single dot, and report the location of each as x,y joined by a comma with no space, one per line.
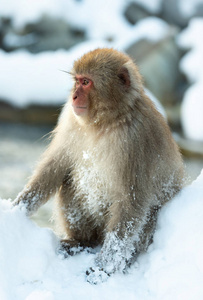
106,85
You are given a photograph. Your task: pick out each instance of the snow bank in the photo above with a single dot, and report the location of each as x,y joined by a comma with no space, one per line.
94,17
93,14
23,11
190,39
192,67
37,78
90,15
27,78
30,267
151,28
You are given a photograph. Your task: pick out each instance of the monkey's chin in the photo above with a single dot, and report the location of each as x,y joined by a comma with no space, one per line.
80,110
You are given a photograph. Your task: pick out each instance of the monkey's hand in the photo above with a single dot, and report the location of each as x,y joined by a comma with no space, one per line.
69,248
116,253
29,200
96,275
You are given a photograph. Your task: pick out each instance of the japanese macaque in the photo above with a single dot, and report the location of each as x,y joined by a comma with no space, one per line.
112,162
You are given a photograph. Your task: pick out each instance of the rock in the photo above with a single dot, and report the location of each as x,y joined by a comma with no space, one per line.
173,117
47,34
199,10
33,114
5,28
159,65
135,12
190,148
171,13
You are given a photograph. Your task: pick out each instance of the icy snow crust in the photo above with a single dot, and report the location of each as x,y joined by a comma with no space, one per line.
31,268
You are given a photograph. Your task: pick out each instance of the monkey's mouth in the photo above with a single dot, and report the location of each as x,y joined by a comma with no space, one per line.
80,110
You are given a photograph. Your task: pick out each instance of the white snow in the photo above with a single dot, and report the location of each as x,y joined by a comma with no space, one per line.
192,66
93,15
192,112
188,7
37,78
172,269
78,13
30,266
29,11
27,78
103,19
151,28
100,19
154,6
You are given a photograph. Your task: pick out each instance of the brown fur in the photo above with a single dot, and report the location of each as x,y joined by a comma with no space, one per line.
112,169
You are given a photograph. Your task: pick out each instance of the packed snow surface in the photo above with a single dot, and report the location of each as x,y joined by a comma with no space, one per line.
172,269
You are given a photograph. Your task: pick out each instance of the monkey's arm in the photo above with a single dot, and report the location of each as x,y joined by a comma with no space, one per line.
121,244
123,240
45,181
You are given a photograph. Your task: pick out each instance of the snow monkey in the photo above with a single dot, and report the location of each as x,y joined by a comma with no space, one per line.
112,162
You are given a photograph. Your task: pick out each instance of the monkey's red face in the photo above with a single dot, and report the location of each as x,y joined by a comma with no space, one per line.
80,96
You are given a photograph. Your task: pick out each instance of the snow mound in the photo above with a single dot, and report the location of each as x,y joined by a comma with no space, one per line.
28,78
172,268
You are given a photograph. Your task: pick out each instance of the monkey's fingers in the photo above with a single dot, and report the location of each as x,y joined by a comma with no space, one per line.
21,205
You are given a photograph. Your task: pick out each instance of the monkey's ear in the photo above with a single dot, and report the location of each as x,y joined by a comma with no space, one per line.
124,77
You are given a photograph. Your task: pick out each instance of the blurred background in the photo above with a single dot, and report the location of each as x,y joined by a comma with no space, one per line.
41,39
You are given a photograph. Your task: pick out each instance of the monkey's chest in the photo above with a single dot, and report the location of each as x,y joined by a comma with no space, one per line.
91,189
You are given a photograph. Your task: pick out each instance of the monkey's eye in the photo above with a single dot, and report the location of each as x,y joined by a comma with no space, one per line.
77,81
85,82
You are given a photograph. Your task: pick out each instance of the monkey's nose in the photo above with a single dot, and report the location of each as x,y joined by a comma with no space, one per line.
75,97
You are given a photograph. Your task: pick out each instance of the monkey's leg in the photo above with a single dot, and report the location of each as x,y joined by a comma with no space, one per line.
80,231
146,238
